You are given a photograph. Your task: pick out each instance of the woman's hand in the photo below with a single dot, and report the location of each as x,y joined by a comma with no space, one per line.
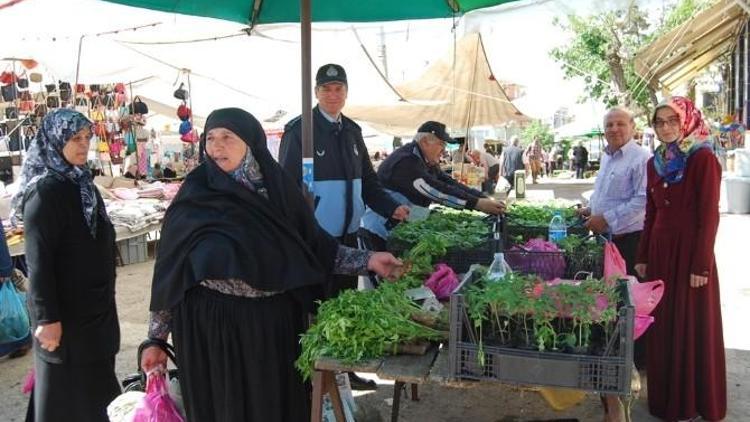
640,269
153,357
49,335
698,280
384,264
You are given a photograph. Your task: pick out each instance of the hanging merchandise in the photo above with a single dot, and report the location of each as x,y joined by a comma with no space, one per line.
116,149
65,90
138,106
53,102
130,142
7,78
185,127
80,88
9,92
183,112
50,88
190,137
35,77
23,82
181,93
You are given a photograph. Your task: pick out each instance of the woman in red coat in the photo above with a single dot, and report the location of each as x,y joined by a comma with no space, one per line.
685,364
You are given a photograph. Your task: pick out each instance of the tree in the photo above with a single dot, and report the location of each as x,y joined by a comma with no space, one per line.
537,129
603,47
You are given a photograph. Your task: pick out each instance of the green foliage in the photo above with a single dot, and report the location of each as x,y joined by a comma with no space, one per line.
453,229
538,130
604,45
538,214
359,325
523,302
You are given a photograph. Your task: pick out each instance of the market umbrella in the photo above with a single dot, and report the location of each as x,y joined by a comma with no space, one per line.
256,12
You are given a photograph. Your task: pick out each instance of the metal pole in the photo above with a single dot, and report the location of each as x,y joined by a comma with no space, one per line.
737,66
78,66
307,124
746,75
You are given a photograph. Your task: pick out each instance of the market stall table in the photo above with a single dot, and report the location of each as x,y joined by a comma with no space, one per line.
403,369
121,233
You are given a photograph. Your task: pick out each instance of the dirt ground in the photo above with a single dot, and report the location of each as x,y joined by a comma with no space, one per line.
483,402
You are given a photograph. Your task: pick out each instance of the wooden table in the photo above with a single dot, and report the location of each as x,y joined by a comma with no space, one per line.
403,369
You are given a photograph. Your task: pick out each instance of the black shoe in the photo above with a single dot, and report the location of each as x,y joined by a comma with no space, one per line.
361,384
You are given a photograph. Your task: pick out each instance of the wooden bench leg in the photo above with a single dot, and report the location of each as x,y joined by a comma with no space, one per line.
325,382
397,387
414,392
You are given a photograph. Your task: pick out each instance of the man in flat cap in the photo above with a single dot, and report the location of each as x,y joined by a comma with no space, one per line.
412,175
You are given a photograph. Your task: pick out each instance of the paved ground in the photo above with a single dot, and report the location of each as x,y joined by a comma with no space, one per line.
490,403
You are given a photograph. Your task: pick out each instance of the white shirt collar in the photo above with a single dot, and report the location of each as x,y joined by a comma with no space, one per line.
330,118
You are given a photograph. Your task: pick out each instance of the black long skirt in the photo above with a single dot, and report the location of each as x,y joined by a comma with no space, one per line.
236,358
81,393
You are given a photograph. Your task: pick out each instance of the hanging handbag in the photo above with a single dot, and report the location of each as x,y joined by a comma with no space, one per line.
185,127
7,78
53,102
138,106
94,88
26,96
120,88
11,112
9,92
26,106
35,77
183,112
181,93
50,88
65,90
23,83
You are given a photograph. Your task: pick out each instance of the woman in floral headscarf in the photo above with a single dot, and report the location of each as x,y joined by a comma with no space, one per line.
70,251
686,371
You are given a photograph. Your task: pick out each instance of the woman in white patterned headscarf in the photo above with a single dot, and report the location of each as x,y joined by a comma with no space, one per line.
70,251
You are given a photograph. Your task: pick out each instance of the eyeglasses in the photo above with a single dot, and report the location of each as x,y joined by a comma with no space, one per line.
672,122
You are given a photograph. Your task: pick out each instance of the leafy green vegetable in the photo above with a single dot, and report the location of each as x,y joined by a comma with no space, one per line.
456,229
538,214
359,325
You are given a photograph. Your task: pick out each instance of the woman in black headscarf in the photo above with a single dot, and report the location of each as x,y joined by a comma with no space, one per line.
70,251
240,262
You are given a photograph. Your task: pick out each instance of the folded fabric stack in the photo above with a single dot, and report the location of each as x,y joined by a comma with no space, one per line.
136,214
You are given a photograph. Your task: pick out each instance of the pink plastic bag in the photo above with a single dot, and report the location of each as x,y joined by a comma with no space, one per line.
614,264
156,405
646,296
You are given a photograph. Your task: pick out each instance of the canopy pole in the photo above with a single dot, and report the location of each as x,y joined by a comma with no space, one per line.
307,124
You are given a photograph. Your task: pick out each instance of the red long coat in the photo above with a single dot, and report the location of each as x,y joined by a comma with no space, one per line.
685,362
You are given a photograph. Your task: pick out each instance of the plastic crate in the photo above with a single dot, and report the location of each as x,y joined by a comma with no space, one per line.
133,250
604,374
550,265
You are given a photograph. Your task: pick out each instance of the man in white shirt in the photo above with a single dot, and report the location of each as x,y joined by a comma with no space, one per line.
491,166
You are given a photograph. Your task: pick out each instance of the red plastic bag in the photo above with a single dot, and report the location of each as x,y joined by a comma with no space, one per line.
614,263
156,405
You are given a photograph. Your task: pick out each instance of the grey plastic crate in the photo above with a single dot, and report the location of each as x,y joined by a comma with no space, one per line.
133,250
603,374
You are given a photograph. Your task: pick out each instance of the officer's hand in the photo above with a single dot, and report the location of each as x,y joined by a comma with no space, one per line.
489,206
401,213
